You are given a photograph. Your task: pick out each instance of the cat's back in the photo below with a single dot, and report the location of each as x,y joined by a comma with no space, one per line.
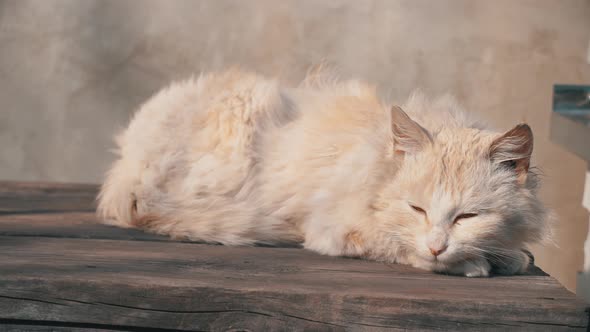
196,134
217,103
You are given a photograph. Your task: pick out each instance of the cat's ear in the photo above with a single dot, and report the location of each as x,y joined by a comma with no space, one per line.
408,136
514,149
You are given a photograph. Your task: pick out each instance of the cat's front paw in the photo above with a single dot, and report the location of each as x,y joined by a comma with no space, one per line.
473,268
515,264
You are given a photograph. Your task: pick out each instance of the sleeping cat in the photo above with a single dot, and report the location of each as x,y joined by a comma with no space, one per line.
237,159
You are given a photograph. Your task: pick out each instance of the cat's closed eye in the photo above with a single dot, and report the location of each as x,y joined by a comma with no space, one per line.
418,209
464,216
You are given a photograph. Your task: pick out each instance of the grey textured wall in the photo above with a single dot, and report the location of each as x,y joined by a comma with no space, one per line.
72,71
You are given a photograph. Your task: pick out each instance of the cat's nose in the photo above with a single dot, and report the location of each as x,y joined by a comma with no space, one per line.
437,251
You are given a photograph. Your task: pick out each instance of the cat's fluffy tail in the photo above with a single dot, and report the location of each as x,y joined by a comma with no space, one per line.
216,219
116,200
123,202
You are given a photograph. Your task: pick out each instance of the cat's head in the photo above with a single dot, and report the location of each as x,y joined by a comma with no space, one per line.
460,193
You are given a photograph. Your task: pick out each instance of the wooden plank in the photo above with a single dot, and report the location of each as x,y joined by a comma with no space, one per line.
69,284
57,210
69,225
188,286
36,197
83,225
29,326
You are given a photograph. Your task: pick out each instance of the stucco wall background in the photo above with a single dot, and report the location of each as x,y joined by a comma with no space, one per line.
72,72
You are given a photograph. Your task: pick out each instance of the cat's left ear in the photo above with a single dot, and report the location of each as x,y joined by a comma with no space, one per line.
408,135
514,149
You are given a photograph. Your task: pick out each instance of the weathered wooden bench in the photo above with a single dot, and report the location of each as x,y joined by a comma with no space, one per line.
60,269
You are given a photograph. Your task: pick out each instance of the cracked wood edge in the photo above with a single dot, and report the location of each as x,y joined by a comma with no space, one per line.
261,310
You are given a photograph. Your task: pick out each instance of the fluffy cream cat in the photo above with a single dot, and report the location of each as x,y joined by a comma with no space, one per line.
237,159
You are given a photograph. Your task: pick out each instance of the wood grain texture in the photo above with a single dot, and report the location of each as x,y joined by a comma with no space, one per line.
201,287
35,197
61,270
69,225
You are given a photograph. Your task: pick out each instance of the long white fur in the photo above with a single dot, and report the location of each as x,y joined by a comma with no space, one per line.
238,159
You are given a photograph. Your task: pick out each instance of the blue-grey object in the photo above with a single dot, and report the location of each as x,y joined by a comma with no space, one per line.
573,102
570,128
570,121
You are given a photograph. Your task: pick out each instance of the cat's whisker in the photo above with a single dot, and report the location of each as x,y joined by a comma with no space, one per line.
497,255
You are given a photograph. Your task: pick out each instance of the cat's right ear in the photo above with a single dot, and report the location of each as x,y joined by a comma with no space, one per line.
514,149
408,136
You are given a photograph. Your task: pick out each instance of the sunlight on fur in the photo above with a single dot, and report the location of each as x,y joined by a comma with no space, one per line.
238,159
